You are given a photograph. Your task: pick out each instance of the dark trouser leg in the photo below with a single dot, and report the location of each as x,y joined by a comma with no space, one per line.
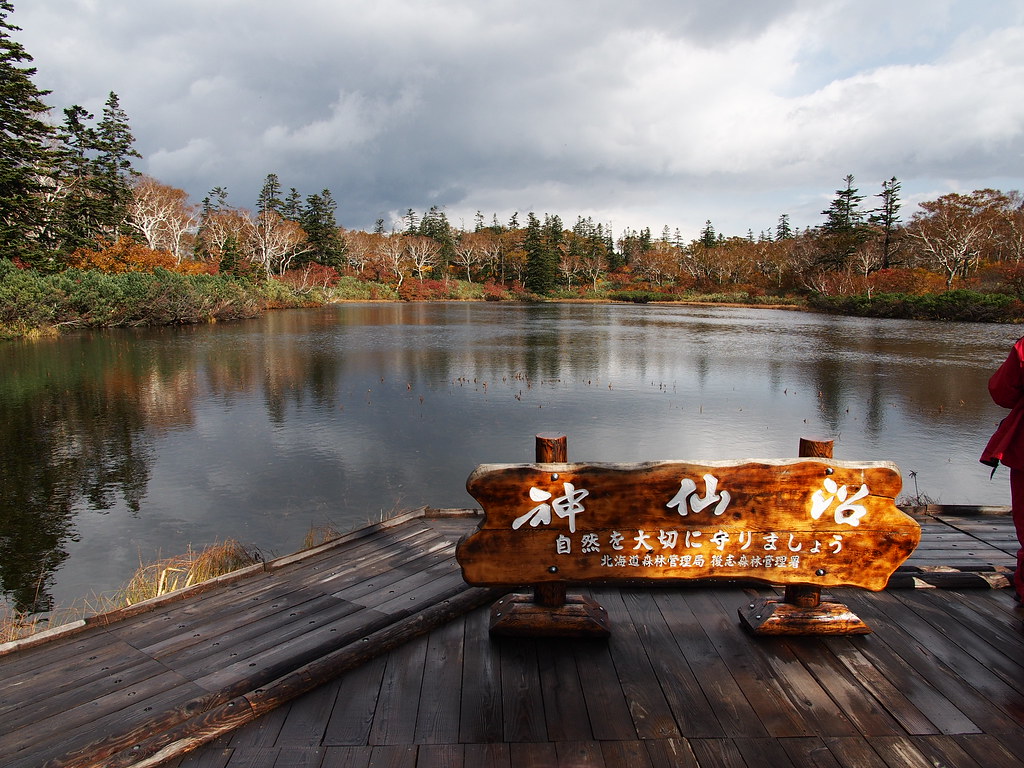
1017,504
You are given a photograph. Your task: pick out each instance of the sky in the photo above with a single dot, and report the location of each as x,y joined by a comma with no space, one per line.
653,113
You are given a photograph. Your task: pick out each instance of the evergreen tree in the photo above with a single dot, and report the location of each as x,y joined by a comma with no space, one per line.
844,215
321,228
291,208
707,235
887,218
541,267
844,229
270,195
783,230
24,155
435,225
113,173
95,167
411,222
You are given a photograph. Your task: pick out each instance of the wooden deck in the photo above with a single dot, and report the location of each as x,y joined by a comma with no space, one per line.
373,652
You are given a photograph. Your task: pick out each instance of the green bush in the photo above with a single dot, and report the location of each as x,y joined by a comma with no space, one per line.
958,305
32,301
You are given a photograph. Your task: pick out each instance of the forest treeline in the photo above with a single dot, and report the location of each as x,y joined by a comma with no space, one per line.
85,239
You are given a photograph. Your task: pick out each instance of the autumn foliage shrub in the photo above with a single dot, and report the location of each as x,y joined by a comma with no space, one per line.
909,281
439,290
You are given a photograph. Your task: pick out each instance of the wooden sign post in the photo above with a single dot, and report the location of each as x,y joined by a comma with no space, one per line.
810,522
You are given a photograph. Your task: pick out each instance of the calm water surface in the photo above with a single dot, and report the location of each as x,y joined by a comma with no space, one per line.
124,446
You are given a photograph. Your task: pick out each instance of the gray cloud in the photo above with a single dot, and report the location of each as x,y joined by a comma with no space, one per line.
646,114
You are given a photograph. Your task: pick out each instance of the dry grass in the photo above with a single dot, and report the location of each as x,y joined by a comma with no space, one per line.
320,534
149,581
185,570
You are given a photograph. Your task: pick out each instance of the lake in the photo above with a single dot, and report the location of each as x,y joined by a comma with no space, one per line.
124,446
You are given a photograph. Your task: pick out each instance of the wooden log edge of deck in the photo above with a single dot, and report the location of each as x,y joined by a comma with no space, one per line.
184,736
154,603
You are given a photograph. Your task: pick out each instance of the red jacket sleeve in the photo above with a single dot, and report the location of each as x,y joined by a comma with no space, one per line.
1007,384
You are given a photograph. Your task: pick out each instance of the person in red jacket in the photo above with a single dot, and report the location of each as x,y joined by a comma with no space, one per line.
1006,446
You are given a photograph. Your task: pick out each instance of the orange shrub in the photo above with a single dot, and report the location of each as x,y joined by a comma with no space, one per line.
125,255
902,280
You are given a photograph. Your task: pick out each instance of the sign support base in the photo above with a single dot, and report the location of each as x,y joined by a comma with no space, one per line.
772,617
518,615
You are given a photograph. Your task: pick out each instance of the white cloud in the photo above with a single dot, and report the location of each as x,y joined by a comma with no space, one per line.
645,114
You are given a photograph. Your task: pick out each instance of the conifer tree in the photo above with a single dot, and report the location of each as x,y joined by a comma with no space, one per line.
25,158
321,228
113,171
845,227
707,235
270,195
783,230
541,245
95,166
887,218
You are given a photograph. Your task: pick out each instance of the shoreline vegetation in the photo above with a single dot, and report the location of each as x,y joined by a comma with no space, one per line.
33,304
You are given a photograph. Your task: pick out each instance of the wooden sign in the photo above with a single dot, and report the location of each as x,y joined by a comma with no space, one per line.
794,521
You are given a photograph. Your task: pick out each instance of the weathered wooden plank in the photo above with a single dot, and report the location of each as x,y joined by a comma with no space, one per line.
722,753
356,703
997,649
271,660
377,586
347,757
677,753
212,758
947,699
391,566
989,751
808,521
395,719
610,717
854,701
809,696
809,752
881,685
572,754
963,652
764,753
306,720
77,709
944,750
565,705
767,696
522,703
442,756
685,696
119,723
902,751
72,672
856,752
481,713
204,639
640,683
259,733
393,756
533,754
489,755
712,672
438,713
257,645
629,754
435,583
